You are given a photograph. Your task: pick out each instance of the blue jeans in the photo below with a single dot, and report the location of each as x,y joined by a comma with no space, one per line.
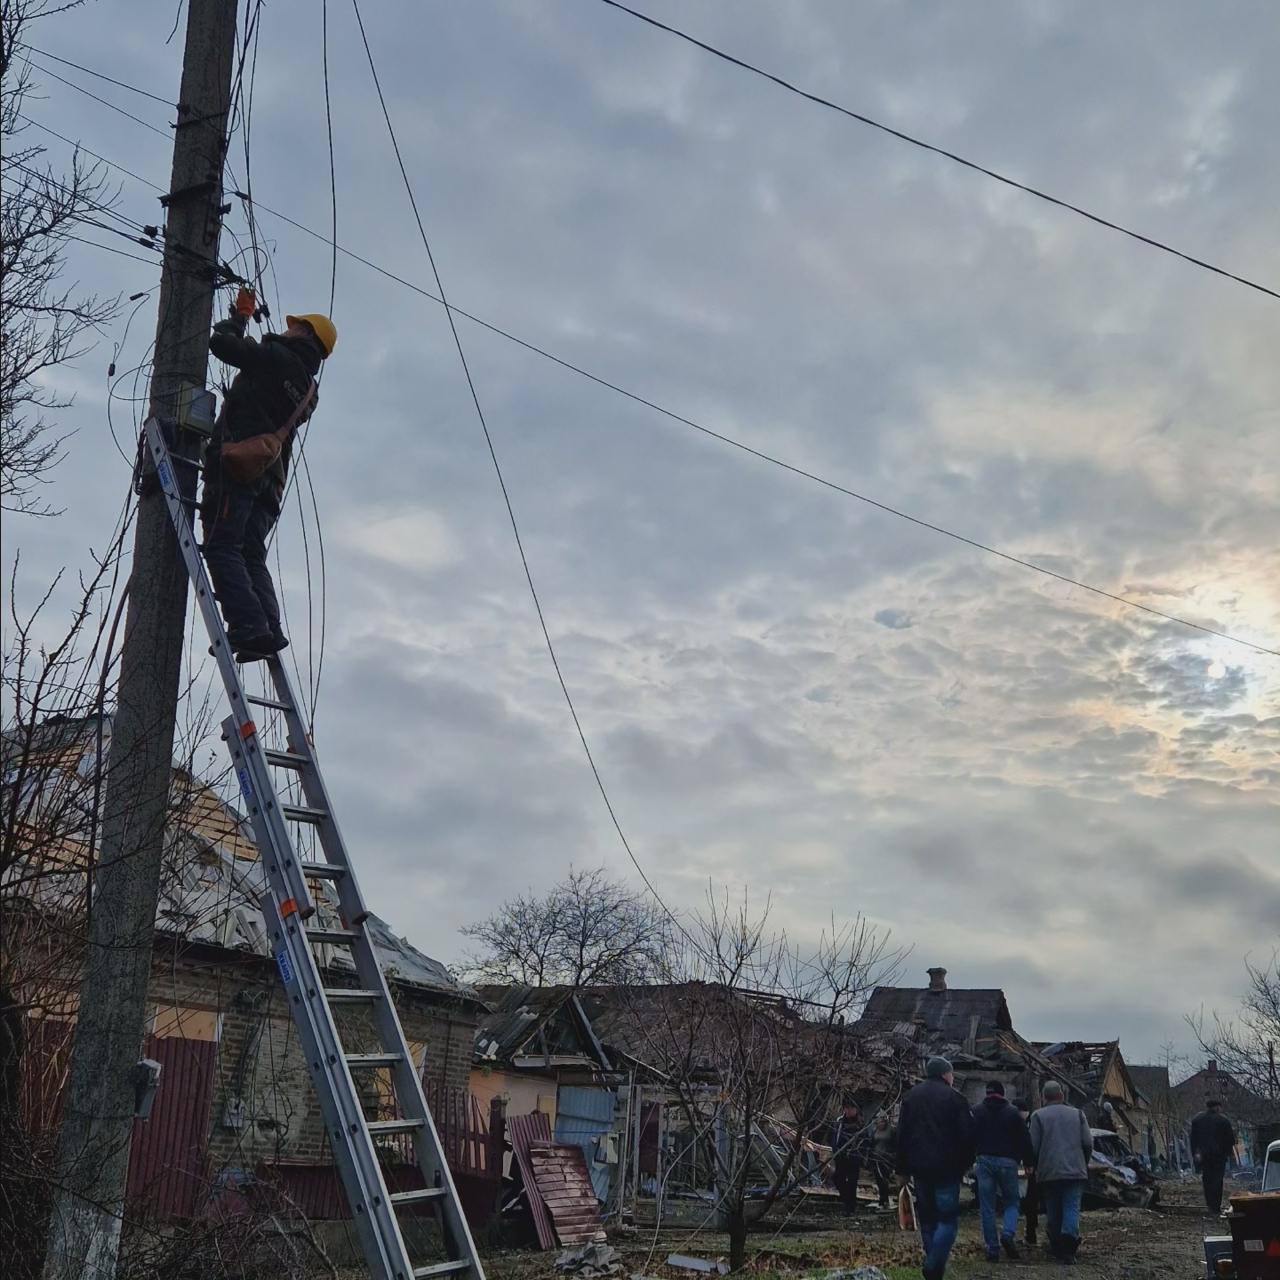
237,523
938,1209
998,1180
1061,1202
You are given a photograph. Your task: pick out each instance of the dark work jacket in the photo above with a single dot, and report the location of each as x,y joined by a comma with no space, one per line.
998,1130
848,1142
935,1132
274,376
1212,1137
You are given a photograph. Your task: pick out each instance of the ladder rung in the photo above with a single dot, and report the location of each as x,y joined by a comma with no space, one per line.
392,1126
416,1197
350,995
441,1268
303,813
323,870
321,934
285,759
270,703
373,1059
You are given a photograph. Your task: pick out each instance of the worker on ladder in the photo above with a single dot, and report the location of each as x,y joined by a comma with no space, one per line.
247,463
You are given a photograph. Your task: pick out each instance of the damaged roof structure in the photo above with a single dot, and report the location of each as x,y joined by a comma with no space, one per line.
211,879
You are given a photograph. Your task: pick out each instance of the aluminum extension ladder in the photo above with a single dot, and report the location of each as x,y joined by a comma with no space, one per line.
287,907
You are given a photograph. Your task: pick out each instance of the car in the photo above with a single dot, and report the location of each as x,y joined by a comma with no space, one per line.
1116,1176
1271,1168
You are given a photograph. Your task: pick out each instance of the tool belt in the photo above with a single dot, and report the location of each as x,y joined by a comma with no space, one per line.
246,461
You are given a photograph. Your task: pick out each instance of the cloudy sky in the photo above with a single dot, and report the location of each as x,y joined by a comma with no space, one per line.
785,689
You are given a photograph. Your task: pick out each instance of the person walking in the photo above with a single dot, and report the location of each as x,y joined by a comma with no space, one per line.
1062,1143
1002,1144
1212,1142
846,1154
935,1147
247,462
884,1143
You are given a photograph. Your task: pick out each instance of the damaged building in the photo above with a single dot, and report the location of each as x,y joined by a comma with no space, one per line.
235,1106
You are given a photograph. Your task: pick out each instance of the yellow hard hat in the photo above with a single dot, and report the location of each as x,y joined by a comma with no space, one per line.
321,326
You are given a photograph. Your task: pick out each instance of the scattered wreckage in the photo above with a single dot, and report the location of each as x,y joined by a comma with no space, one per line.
1117,1178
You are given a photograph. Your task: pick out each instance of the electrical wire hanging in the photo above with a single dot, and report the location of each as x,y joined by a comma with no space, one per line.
675,416
940,151
506,496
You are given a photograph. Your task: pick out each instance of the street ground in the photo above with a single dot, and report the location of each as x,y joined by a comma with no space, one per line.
1122,1244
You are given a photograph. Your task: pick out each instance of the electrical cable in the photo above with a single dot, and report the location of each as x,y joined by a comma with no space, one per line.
941,151
66,62
506,496
164,133
760,455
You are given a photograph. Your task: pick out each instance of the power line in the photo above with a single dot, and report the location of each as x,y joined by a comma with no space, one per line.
66,62
506,496
941,151
71,84
637,398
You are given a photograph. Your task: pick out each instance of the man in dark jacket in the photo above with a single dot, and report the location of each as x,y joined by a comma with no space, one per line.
847,1142
275,378
1212,1142
935,1146
1002,1144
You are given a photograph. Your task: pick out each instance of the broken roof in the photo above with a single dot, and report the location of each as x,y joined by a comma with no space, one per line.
211,877
949,1016
546,1024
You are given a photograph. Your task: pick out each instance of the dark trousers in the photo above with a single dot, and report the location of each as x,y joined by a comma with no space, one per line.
880,1171
845,1176
1031,1207
1211,1175
237,523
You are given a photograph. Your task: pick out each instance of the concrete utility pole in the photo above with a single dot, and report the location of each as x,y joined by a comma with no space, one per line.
97,1117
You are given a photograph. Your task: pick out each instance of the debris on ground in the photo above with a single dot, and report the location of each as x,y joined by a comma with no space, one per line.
707,1266
590,1261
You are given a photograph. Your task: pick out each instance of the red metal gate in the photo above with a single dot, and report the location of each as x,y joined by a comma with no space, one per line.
167,1159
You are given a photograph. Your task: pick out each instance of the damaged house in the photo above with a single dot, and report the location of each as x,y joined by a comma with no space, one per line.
235,1107
971,1027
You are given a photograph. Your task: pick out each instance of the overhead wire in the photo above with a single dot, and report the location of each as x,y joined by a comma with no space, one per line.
506,495
71,84
940,151
66,62
709,432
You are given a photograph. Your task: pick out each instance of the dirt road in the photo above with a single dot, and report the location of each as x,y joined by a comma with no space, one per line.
1125,1244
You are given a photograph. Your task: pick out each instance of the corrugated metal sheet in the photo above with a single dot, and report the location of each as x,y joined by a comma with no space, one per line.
583,1115
525,1132
166,1161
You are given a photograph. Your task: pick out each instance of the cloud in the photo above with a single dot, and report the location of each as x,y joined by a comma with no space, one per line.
1016,775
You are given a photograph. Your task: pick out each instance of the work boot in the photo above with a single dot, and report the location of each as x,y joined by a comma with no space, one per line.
1010,1245
993,1255
256,648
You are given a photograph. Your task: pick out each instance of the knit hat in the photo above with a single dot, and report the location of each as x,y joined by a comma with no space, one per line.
936,1068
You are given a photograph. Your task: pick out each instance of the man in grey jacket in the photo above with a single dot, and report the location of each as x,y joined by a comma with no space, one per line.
1062,1143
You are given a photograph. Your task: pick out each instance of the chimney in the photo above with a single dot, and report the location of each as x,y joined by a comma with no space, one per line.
937,979
1213,1063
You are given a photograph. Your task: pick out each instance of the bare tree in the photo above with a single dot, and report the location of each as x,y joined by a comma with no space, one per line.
1247,1046
43,325
752,1035
589,930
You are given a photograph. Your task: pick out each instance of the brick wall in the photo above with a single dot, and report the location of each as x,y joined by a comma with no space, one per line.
264,1107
